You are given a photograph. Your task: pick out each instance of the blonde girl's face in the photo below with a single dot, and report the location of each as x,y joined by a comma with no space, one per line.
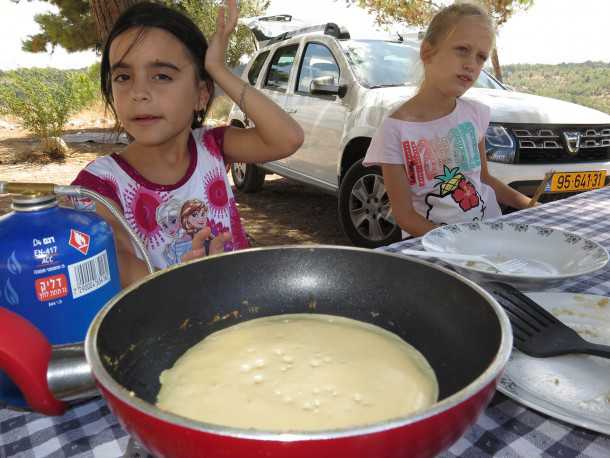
154,85
454,64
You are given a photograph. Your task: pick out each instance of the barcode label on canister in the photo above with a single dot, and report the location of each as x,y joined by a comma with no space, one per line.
88,275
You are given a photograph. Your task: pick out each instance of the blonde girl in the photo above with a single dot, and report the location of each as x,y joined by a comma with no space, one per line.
432,148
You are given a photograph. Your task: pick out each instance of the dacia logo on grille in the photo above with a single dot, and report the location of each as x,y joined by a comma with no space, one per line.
572,142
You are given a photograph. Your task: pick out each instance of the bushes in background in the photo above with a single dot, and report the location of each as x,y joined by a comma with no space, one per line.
587,83
43,99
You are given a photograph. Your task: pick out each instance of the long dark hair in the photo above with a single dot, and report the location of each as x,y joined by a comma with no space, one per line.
150,14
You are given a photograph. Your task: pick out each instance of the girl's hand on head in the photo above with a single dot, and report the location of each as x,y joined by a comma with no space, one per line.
225,24
216,245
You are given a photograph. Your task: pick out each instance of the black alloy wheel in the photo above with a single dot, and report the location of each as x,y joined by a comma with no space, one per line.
247,177
364,208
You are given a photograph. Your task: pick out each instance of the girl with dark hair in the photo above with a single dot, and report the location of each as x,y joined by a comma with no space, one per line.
157,77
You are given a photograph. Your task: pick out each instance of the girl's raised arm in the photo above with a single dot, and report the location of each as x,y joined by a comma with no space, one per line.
276,134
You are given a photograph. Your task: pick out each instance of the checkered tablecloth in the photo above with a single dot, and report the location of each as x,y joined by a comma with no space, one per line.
505,429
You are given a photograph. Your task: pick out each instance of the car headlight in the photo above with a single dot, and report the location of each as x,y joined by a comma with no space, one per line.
500,145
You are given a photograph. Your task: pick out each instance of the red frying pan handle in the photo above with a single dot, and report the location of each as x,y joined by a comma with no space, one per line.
24,356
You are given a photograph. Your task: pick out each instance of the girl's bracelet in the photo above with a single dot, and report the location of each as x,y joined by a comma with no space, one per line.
242,96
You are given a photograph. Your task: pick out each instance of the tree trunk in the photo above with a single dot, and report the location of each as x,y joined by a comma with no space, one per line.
496,64
105,13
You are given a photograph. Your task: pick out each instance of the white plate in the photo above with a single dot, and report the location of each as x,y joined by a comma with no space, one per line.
569,254
572,388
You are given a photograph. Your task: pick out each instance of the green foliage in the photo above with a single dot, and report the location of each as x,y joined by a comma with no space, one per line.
419,12
586,84
502,10
219,110
204,13
73,26
412,12
44,98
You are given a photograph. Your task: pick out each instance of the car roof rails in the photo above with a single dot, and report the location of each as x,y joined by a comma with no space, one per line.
263,26
330,28
277,17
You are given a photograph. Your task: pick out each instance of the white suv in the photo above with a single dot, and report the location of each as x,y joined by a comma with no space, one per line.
340,89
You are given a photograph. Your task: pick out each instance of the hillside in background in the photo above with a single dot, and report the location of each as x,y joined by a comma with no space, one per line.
586,84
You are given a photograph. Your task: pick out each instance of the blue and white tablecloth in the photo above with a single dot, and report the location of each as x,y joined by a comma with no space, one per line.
505,429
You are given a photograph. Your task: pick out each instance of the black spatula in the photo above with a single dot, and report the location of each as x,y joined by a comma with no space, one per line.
536,331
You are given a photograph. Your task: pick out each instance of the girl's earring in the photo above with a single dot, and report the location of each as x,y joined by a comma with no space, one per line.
199,117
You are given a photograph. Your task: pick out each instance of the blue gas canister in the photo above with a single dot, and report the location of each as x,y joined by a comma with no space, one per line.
58,267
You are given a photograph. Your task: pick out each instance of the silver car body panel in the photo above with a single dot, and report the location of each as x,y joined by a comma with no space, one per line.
330,124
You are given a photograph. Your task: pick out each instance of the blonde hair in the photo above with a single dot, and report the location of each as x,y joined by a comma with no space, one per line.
442,26
445,21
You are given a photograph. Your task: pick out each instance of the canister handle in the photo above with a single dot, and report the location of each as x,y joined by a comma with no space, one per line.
24,355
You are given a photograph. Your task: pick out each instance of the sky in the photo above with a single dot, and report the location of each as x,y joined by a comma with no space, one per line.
550,32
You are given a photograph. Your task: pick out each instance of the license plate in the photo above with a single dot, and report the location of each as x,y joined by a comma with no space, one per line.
577,181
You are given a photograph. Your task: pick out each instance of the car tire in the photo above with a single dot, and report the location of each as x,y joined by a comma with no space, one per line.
364,208
247,177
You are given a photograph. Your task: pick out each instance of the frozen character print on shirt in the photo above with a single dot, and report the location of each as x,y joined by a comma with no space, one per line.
455,191
193,218
168,218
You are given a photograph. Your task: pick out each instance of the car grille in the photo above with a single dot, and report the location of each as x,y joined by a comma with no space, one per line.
550,144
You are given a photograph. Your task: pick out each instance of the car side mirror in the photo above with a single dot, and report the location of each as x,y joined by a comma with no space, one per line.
323,85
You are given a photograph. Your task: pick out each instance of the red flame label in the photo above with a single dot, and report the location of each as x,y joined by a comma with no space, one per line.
79,240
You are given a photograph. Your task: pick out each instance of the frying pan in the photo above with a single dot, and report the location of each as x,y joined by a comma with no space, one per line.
460,329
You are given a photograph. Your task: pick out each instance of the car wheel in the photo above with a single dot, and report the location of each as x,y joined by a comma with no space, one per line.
247,177
364,208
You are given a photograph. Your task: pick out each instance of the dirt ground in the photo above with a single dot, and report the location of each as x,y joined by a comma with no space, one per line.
283,213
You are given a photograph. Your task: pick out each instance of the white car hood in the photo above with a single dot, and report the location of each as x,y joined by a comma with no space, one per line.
517,107
506,106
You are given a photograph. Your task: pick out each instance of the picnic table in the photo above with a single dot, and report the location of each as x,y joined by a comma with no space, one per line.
505,428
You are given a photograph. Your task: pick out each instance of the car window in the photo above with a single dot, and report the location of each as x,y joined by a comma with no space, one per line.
317,61
279,69
383,63
378,63
257,65
486,81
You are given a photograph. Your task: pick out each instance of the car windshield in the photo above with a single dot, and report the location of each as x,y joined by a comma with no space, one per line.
378,63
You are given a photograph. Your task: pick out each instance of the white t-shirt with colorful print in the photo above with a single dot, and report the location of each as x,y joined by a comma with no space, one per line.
166,217
442,163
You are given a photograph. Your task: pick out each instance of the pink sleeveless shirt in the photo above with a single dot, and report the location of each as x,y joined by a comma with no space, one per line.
166,217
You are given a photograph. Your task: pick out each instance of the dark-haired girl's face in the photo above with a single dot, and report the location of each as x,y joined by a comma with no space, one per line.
155,87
